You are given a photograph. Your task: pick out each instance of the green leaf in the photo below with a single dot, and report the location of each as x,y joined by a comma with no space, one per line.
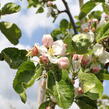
64,24
54,75
86,103
10,8
11,31
86,8
24,74
40,10
91,84
14,57
105,8
23,97
63,91
33,3
100,1
44,105
68,41
102,32
56,33
95,14
105,76
37,75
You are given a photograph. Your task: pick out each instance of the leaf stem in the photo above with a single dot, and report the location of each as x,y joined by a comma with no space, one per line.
70,16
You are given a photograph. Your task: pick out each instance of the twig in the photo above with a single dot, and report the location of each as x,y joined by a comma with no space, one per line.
70,16
81,3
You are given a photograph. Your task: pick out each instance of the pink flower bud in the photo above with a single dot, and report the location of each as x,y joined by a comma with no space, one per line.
85,60
63,62
47,41
77,57
48,107
44,59
80,90
49,4
33,52
96,69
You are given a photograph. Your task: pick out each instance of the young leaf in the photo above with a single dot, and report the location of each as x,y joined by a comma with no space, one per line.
56,33
68,41
14,57
10,8
54,75
86,103
105,8
23,97
86,8
91,84
40,10
11,31
63,91
64,24
44,105
24,74
95,14
103,32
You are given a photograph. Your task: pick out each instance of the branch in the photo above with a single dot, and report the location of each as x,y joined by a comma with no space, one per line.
70,16
81,3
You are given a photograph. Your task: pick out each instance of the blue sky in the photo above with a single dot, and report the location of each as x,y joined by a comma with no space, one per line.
33,27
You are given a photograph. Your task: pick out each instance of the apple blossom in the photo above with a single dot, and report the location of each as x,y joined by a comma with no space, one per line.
86,60
77,57
96,69
49,3
63,62
44,59
80,90
48,107
98,49
34,51
47,40
59,48
103,56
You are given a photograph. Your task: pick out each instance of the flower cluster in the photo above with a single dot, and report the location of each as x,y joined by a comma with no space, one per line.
50,52
86,56
55,52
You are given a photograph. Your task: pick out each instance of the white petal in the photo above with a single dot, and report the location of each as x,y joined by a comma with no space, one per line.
59,48
53,60
91,36
98,49
104,58
43,50
35,60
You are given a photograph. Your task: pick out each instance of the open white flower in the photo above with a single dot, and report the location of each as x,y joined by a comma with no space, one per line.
54,52
98,49
59,48
101,53
104,58
90,36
